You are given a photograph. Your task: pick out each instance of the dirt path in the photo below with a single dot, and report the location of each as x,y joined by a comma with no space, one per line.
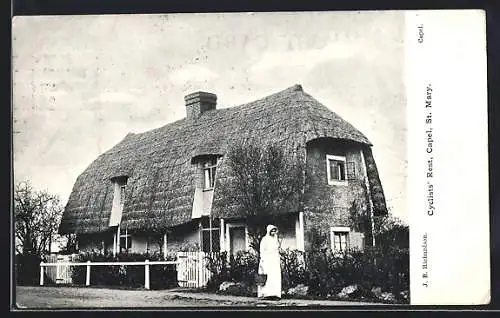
80,297
74,297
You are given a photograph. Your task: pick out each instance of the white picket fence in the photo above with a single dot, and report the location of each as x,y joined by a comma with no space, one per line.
192,271
89,264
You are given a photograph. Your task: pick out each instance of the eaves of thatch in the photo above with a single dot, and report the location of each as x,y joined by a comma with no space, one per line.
160,186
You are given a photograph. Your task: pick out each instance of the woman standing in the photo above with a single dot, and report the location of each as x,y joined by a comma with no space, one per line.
270,264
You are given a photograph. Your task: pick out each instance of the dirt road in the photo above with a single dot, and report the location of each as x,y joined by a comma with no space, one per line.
81,297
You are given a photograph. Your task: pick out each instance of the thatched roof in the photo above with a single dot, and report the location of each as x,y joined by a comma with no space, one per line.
160,186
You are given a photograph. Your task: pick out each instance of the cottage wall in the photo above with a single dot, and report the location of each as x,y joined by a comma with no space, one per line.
139,243
95,242
286,226
329,205
182,236
143,242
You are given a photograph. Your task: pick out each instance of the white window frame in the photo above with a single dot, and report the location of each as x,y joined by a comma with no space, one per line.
339,229
119,189
128,238
228,236
210,230
328,174
123,188
208,166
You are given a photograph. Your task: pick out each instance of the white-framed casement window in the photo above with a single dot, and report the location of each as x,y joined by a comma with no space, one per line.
122,195
339,238
125,240
237,238
336,169
210,240
119,187
209,168
209,235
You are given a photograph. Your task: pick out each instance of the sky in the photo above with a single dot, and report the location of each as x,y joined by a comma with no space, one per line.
81,83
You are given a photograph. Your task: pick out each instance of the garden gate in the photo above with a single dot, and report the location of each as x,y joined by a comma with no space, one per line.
60,274
192,271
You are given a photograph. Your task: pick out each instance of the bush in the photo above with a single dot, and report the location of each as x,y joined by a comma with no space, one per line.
239,268
244,266
218,265
324,272
293,269
161,276
374,267
27,269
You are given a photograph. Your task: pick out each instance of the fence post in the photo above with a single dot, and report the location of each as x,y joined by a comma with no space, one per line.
146,274
200,269
41,273
87,279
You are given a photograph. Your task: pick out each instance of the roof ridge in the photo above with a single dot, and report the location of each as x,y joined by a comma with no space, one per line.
288,90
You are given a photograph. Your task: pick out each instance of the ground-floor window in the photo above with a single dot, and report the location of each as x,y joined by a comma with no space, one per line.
339,237
210,240
125,240
237,237
210,236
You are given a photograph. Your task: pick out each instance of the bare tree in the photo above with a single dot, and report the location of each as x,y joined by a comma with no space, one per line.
37,215
263,182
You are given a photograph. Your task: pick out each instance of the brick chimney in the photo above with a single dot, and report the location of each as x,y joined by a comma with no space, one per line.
198,103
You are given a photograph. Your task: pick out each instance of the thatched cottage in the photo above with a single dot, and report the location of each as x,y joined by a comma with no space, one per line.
155,190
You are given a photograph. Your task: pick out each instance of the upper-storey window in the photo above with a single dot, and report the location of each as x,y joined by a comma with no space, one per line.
122,195
336,169
119,187
209,168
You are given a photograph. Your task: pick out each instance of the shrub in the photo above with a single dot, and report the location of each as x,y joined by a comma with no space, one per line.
189,247
374,267
27,269
240,267
293,269
161,276
218,265
324,272
244,266
318,268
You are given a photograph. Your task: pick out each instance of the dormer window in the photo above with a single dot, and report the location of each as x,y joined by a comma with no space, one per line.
122,195
119,186
209,168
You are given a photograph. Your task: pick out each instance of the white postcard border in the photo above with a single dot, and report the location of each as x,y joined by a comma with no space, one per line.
448,204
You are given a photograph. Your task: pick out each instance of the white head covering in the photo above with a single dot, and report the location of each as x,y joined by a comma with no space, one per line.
269,228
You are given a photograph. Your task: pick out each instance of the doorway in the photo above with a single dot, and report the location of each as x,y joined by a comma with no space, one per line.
237,238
